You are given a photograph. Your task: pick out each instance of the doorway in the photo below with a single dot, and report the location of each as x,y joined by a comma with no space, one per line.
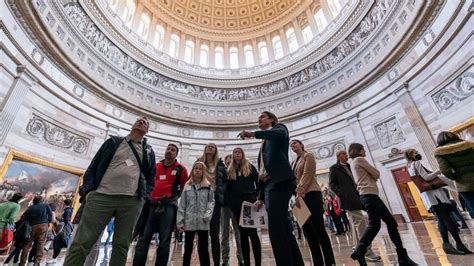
403,179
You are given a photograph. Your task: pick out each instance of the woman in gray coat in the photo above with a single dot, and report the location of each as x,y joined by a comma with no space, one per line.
195,212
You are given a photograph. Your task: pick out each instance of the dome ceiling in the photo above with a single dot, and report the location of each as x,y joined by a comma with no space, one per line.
227,16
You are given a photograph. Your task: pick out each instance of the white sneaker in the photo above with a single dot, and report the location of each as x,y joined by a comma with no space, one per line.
371,256
52,261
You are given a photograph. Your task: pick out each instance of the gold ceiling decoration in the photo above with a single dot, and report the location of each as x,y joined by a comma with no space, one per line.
226,16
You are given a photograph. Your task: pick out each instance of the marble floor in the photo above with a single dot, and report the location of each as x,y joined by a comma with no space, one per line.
422,241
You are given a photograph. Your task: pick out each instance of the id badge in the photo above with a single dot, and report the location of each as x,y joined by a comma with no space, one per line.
129,162
162,177
173,172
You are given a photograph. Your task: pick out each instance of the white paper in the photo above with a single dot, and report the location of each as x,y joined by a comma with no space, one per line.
302,213
251,218
129,162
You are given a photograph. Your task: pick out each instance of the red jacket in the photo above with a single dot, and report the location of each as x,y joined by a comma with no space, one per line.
166,184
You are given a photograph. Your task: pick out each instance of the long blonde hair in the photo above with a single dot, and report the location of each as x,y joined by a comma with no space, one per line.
204,172
215,160
245,166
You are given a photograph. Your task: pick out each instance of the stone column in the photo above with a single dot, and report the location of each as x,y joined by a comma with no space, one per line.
256,55
312,22
422,132
152,30
212,54
298,33
197,52
284,43
167,39
13,100
136,17
182,46
270,51
241,53
184,157
226,56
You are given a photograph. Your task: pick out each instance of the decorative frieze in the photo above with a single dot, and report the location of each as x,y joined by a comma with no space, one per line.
56,135
121,60
328,150
456,92
389,132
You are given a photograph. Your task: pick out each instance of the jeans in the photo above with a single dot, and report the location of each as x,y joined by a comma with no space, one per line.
315,232
329,223
97,213
203,250
446,223
214,231
284,245
226,216
163,225
468,198
377,212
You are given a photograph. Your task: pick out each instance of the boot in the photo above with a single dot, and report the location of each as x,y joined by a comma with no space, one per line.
461,247
359,255
403,258
449,249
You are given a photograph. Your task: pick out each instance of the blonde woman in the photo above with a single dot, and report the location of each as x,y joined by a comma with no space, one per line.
308,189
216,174
194,213
244,186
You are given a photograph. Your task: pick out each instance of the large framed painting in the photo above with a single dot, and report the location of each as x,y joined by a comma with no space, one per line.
33,176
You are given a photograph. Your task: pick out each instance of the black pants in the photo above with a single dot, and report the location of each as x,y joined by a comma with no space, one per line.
377,212
337,222
203,246
15,254
251,234
280,229
315,232
57,246
214,231
163,224
445,223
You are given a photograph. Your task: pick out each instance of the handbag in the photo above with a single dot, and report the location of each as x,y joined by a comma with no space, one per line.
424,185
7,237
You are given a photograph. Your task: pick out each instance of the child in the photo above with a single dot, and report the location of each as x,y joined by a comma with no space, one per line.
195,212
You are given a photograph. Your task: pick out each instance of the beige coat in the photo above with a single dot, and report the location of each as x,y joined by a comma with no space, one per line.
365,176
305,172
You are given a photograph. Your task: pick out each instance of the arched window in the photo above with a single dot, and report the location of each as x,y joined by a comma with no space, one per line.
159,35
174,44
128,12
204,56
307,34
234,57
189,52
320,20
292,42
263,52
143,26
219,54
249,62
277,47
335,7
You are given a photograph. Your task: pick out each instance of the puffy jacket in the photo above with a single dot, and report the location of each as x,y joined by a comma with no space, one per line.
221,183
196,206
456,161
103,157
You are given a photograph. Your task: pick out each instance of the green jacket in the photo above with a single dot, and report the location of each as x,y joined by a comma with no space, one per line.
456,161
8,212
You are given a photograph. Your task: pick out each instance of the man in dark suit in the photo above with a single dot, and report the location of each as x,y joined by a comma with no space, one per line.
279,184
342,183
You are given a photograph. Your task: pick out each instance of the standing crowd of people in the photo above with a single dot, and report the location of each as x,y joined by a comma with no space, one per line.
146,199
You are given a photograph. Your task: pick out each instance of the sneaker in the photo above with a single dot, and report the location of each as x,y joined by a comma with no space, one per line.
52,261
371,256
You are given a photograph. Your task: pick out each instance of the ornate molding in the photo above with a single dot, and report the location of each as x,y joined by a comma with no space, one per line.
57,135
456,92
389,132
328,150
97,39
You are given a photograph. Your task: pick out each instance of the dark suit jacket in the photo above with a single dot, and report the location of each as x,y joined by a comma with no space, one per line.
275,154
345,188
